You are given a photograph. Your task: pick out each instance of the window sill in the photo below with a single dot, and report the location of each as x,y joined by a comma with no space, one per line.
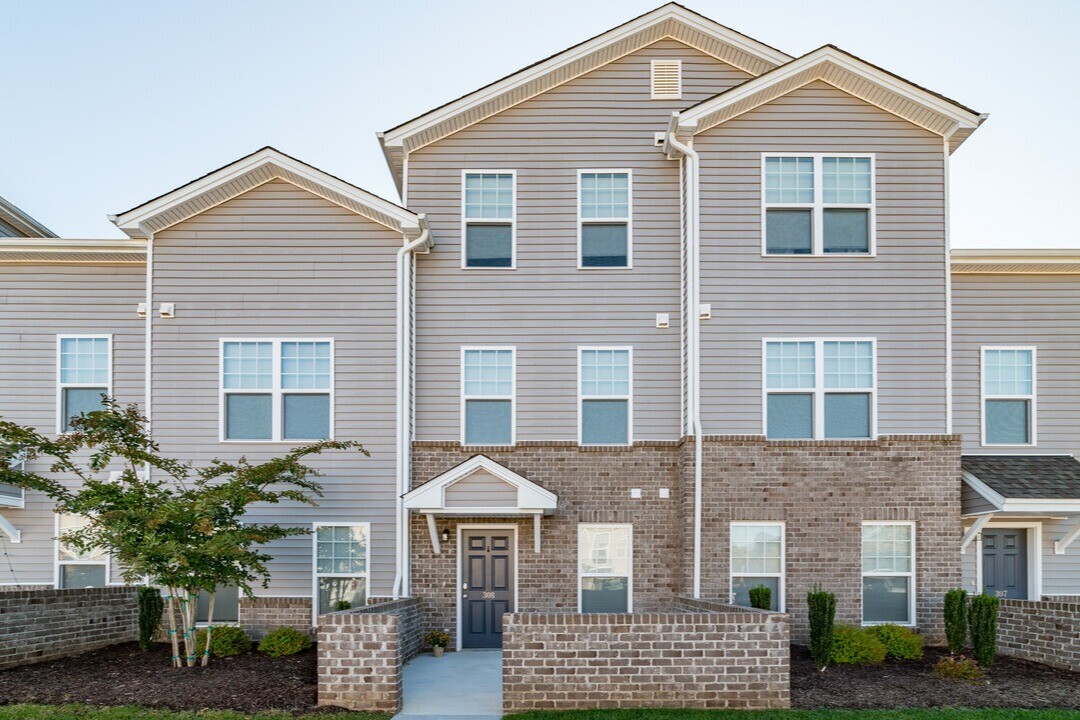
819,256
488,269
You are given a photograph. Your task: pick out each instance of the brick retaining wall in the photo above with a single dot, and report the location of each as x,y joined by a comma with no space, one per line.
40,625
701,656
259,615
362,654
1043,631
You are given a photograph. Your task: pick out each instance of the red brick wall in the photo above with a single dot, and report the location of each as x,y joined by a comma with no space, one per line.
1042,631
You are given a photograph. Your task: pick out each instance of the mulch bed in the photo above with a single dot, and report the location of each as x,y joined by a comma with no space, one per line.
125,675
1009,683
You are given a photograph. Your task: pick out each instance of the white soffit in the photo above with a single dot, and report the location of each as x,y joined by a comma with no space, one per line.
63,251
22,223
1016,262
430,498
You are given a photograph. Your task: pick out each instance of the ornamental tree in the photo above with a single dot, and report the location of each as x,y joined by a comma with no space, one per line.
164,521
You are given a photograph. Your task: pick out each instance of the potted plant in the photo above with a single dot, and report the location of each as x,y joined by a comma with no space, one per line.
438,640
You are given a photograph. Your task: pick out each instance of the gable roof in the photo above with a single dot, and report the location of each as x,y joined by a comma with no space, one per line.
431,496
22,223
853,75
249,172
667,21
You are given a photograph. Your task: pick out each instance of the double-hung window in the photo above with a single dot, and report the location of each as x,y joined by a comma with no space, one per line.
605,568
604,213
487,396
278,390
606,396
1008,391
757,558
489,219
84,373
341,566
888,570
77,568
820,389
818,205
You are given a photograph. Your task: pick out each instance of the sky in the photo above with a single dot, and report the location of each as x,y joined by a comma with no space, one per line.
113,103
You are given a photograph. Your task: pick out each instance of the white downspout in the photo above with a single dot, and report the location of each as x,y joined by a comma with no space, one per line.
148,341
403,433
693,332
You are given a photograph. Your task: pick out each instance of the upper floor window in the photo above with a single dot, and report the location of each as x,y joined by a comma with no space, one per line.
605,568
1008,390
84,374
818,205
488,219
276,389
605,388
820,389
487,396
604,211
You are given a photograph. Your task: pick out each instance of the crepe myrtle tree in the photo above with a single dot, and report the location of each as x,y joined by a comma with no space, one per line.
164,521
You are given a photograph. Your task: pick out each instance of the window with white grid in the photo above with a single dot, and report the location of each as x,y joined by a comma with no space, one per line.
604,209
488,218
888,568
84,374
487,396
605,388
757,558
341,566
605,568
1008,389
78,568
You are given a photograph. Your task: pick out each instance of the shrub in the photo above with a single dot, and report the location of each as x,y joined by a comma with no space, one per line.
343,605
761,597
856,646
956,622
437,638
225,641
284,641
151,608
900,643
958,668
983,616
822,606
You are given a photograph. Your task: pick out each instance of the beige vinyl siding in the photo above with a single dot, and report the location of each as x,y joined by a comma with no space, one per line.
1039,310
481,489
897,297
547,307
973,502
8,231
37,303
278,262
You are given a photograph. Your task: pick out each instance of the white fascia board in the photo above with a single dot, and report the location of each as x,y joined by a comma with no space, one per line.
15,216
989,494
1048,506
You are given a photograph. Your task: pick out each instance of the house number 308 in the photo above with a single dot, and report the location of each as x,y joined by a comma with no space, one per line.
487,595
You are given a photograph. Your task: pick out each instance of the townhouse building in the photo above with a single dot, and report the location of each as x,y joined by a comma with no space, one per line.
668,313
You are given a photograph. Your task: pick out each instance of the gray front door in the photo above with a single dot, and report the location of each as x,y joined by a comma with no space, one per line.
487,591
1005,563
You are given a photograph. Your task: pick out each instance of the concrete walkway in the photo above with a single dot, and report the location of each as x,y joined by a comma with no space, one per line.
463,685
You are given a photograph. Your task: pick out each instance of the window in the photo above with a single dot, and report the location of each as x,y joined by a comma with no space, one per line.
604,211
226,606
75,568
85,374
810,400
666,79
605,569
1008,390
818,205
277,390
757,558
487,396
605,387
341,566
888,569
488,219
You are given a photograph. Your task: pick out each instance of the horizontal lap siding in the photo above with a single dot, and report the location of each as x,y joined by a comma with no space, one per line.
278,262
37,303
1039,310
897,297
547,307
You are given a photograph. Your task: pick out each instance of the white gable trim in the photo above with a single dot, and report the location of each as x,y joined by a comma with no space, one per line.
430,498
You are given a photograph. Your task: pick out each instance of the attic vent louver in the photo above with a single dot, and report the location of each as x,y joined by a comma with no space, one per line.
666,79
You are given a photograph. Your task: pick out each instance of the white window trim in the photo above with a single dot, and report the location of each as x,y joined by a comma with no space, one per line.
910,575
1032,404
61,386
781,576
818,207
630,571
652,79
58,563
512,397
275,391
819,391
629,397
315,574
629,219
512,221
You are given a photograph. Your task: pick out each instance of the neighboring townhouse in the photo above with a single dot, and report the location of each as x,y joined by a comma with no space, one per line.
670,313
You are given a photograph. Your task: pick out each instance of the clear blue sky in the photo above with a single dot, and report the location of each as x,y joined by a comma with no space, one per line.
112,103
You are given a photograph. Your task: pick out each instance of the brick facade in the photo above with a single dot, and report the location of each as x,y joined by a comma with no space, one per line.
40,625
698,657
362,655
259,615
1045,631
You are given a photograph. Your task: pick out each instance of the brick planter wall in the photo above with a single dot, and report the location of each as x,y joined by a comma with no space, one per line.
40,625
1043,631
362,653
261,614
713,657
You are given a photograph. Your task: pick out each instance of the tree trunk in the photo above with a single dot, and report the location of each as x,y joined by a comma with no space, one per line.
209,629
172,630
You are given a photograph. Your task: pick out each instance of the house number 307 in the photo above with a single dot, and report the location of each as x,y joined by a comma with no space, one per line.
487,595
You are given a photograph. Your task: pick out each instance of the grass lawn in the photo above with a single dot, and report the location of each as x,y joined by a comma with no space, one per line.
934,714
87,712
